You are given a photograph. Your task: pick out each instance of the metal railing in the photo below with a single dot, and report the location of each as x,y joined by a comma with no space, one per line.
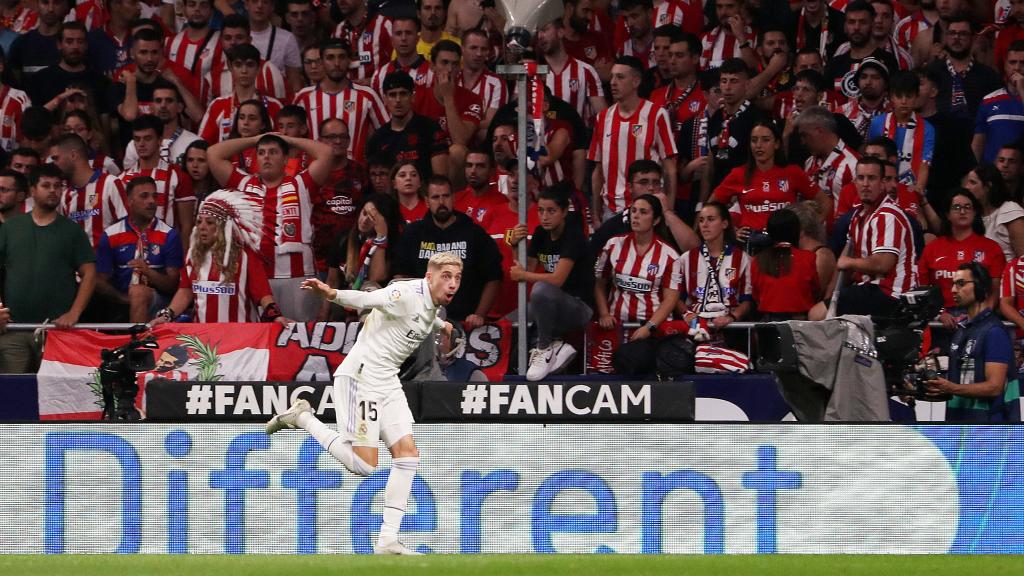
124,327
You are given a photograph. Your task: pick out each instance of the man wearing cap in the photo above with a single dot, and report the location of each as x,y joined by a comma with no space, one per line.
843,68
409,136
872,99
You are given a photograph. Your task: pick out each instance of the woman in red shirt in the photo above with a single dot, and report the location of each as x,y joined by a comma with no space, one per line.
962,241
766,183
406,185
784,278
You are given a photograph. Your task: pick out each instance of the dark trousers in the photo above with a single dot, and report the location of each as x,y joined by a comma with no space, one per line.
865,300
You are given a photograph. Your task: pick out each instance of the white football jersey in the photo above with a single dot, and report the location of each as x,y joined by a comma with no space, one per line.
403,316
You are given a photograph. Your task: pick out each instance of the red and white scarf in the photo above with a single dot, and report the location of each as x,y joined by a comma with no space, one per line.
801,34
912,150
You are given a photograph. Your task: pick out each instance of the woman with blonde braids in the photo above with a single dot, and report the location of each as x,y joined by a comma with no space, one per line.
223,275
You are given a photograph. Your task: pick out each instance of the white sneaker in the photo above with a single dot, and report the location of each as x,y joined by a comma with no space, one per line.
564,353
395,548
289,418
540,363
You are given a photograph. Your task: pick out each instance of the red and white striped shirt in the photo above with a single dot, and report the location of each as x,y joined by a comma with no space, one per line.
13,103
195,56
637,279
370,44
887,229
646,134
25,20
860,116
89,12
628,47
835,171
719,45
688,15
908,28
491,89
710,295
358,106
96,205
561,170
220,300
1012,285
217,82
105,163
220,115
287,210
576,83
172,185
420,74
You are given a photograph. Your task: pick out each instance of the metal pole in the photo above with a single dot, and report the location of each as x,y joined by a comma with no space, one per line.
518,71
524,112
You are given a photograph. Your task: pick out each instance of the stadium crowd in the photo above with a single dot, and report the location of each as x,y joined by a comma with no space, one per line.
703,162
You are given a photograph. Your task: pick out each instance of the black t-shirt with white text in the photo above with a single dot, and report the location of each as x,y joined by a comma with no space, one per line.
481,260
571,244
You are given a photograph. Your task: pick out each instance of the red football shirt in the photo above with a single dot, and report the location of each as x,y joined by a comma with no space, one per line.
500,222
766,192
415,213
469,105
942,257
478,207
794,292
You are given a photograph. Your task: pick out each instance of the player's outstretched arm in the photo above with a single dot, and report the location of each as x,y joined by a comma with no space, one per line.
355,299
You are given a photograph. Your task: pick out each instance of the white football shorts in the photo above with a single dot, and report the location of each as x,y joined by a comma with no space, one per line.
368,415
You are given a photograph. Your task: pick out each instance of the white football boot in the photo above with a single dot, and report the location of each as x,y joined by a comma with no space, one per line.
290,417
395,548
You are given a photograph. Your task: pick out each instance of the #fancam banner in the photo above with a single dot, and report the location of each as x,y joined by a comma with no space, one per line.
497,488
69,385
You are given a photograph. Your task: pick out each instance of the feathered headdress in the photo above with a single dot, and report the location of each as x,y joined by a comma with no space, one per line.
242,215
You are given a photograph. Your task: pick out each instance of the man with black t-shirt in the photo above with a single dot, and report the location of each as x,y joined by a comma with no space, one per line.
50,83
444,230
37,49
409,136
842,68
132,93
729,127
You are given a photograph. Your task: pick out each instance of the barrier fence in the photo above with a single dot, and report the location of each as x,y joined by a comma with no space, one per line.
745,327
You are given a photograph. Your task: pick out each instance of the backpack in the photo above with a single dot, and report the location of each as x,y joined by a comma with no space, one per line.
675,356
636,357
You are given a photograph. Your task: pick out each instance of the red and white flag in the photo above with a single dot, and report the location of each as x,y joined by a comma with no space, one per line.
69,383
711,359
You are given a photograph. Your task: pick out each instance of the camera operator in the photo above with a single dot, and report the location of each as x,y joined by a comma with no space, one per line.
980,356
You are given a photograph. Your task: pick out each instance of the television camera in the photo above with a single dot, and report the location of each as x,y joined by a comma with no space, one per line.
118,370
897,344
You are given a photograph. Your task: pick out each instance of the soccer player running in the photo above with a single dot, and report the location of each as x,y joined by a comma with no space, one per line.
370,402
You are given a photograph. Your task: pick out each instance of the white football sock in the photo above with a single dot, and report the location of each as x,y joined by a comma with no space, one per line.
396,496
332,441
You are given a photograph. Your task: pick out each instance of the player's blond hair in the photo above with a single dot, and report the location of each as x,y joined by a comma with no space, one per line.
442,259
